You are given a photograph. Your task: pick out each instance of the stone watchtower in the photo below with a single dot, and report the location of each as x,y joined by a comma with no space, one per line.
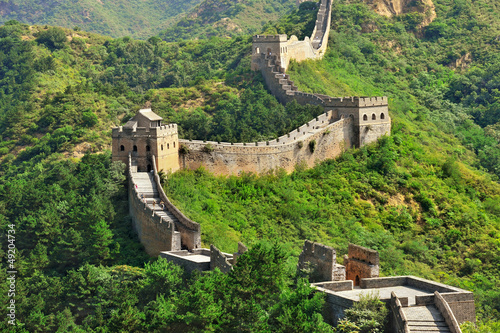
143,136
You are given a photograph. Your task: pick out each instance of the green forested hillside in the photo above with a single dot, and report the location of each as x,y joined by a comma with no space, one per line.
223,18
427,197
117,18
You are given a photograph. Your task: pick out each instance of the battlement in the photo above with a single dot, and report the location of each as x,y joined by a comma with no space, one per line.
354,101
269,38
287,142
363,254
170,129
319,250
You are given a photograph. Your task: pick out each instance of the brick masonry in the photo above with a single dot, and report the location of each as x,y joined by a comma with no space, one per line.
322,261
331,140
361,263
219,260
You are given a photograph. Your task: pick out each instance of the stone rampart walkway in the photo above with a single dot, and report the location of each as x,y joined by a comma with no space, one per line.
425,319
146,188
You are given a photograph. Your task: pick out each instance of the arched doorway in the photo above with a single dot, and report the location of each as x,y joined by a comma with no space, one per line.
356,280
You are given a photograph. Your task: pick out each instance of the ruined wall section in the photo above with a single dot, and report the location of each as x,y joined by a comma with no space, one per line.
361,263
330,140
219,260
322,260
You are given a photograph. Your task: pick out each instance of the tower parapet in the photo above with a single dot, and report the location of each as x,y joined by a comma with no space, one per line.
144,136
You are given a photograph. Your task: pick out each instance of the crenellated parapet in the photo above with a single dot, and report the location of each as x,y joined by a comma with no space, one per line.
285,49
315,141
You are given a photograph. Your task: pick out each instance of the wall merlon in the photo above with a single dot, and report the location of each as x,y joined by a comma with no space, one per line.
363,254
269,38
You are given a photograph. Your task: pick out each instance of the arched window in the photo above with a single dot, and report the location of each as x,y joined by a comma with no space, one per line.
382,116
161,147
168,145
174,144
365,117
148,148
374,117
135,148
122,148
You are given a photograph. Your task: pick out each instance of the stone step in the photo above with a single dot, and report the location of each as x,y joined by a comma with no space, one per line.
428,329
425,319
423,313
428,323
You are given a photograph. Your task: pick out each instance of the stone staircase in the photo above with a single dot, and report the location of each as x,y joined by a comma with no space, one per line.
278,73
146,187
425,319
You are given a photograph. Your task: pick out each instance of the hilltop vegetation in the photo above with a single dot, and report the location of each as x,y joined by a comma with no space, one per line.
118,18
427,197
224,18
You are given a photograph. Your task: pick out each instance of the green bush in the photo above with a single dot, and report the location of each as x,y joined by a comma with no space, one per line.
53,38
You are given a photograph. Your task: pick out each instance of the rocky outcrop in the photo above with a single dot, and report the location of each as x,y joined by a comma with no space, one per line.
391,8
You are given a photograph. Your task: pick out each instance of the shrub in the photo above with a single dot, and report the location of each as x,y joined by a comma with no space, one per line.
208,148
183,149
53,38
312,146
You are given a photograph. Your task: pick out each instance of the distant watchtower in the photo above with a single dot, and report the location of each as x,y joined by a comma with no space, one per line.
143,136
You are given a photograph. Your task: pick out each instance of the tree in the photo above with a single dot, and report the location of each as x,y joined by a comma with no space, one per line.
369,315
54,38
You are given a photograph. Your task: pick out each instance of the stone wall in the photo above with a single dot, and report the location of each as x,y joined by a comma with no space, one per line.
190,231
322,260
285,152
361,263
142,143
285,50
446,312
398,320
242,248
219,260
461,303
334,308
155,233
383,282
182,258
334,285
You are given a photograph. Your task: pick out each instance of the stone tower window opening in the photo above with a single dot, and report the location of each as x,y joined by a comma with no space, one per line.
161,147
365,117
168,145
257,50
122,148
135,148
174,144
148,148
374,117
382,116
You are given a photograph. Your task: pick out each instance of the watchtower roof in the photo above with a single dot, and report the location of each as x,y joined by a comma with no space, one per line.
150,114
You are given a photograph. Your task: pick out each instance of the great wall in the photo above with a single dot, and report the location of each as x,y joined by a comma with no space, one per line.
146,146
